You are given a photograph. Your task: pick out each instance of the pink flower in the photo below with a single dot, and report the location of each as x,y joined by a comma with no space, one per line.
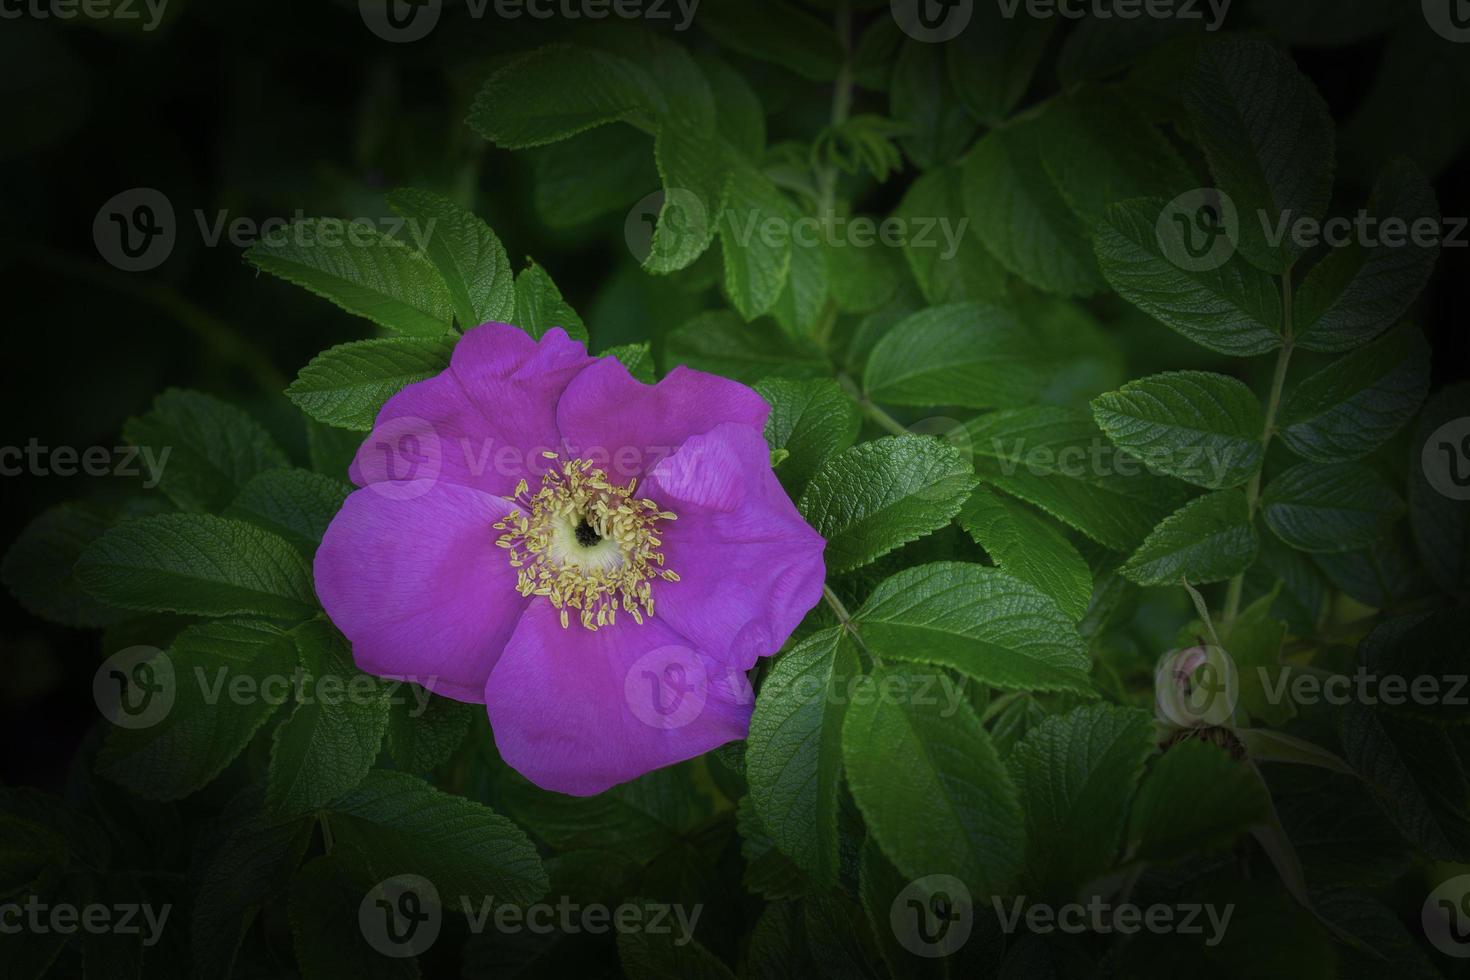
595,559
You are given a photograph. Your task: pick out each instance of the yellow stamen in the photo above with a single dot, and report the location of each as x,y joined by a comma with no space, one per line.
550,551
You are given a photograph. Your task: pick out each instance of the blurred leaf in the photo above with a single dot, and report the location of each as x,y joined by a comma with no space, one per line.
1329,507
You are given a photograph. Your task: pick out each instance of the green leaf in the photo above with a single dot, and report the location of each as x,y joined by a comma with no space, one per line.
207,725
981,621
254,859
741,117
361,270
38,568
1329,507
205,449
812,420
295,504
1350,408
466,252
329,939
1076,774
756,263
331,739
1058,460
425,729
1195,798
1253,640
539,306
946,258
1440,523
1228,307
637,358
347,385
794,753
719,342
1021,218
872,498
992,63
393,822
645,955
1209,539
974,355
863,272
1030,548
804,299
200,565
1360,289
559,91
804,44
1199,427
920,96
1269,140
1103,151
692,165
568,193
950,808
1421,645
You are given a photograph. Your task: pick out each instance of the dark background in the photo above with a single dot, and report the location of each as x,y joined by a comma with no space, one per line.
266,108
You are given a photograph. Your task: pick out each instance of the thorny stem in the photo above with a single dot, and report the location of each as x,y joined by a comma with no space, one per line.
1273,403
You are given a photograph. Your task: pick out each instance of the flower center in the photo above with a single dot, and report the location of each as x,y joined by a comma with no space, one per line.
586,544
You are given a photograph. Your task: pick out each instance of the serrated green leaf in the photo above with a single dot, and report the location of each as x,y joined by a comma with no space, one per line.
645,955
346,385
205,450
741,117
1360,289
804,299
1199,427
1029,547
559,91
295,504
1253,640
1021,218
539,306
1231,308
637,358
425,729
1209,539
794,753
1330,507
393,823
921,97
943,252
207,725
1195,798
1103,151
695,171
879,495
991,63
38,568
863,272
468,255
1350,408
200,565
1058,460
757,262
331,739
719,342
361,270
804,44
328,937
950,808
568,193
975,355
1076,774
1269,140
983,622
811,420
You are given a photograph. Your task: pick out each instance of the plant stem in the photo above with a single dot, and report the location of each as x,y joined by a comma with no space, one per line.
871,410
1273,404
826,174
844,618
